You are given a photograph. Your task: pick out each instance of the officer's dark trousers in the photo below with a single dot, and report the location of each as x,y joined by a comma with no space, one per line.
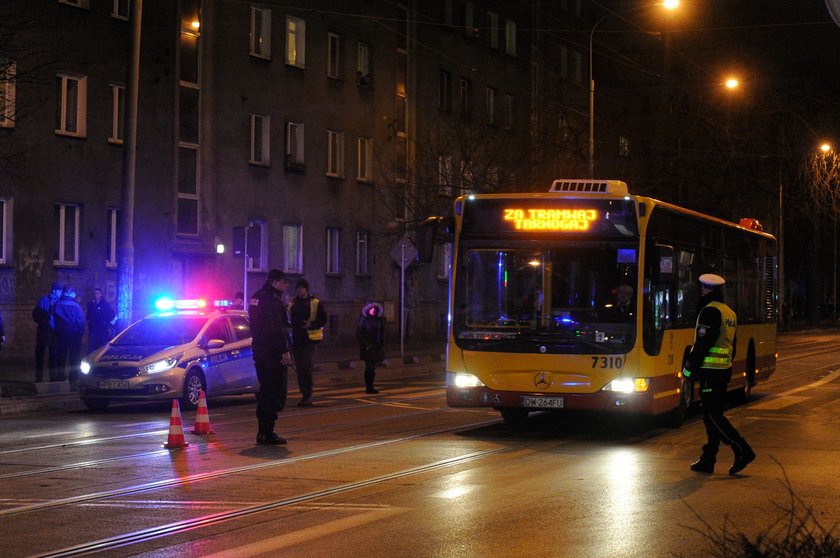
273,377
304,355
718,428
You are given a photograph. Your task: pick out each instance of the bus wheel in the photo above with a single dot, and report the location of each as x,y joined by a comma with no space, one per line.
749,380
676,417
514,416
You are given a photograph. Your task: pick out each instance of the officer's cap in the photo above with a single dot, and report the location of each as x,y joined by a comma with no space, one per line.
711,280
276,275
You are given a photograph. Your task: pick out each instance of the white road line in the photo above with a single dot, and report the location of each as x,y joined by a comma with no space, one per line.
270,546
778,403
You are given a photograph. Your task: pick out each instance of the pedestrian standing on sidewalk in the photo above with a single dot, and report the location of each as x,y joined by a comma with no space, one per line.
371,336
270,343
100,318
69,328
42,315
308,319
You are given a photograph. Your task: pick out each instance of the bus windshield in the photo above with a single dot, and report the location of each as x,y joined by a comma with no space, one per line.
570,298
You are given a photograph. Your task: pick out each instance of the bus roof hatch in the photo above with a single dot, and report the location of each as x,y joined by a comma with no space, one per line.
583,186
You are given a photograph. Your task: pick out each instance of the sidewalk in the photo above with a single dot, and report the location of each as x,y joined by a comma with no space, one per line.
334,366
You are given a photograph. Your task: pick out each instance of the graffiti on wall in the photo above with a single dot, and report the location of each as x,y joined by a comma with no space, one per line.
31,261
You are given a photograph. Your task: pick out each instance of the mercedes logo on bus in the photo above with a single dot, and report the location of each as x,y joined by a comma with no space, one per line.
542,380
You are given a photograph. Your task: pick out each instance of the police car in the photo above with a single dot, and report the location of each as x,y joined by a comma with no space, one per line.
183,348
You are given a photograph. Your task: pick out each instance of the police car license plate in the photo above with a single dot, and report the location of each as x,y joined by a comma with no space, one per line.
541,402
114,384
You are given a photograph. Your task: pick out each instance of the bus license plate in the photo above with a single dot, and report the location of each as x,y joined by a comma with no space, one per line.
542,402
114,384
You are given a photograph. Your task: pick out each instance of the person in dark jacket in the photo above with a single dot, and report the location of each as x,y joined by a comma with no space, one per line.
69,328
370,333
710,363
45,335
100,318
270,329
308,319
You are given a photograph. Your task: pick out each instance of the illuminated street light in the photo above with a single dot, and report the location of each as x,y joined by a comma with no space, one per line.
668,5
825,148
732,83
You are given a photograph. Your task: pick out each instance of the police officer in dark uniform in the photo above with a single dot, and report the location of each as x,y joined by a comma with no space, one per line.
271,344
710,363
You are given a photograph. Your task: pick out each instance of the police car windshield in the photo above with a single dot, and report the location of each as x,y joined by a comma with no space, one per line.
162,330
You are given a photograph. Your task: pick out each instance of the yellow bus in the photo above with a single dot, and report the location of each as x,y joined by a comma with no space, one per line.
585,297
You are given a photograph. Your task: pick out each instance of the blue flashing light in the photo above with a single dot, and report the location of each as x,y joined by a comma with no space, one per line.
164,303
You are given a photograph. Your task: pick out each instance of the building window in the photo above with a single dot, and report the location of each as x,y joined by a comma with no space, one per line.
333,250
493,30
364,158
188,194
363,59
117,114
362,244
469,18
294,147
258,261
444,175
444,91
5,229
260,38
490,105
71,109
465,97
260,140
293,248
113,239
8,72
120,9
509,112
335,154
84,4
67,225
295,42
333,55
510,37
444,257
623,146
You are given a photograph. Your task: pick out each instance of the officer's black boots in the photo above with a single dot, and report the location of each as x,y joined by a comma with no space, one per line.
703,465
706,463
267,437
742,459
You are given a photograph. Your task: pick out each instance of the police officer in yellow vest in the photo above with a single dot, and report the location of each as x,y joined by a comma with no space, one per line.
710,363
308,318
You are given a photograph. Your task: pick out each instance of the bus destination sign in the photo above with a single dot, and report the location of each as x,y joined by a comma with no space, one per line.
556,219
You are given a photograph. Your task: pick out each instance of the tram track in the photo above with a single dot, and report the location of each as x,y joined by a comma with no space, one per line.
201,477
169,529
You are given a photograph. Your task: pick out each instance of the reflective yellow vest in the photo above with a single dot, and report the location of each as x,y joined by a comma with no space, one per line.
720,355
314,334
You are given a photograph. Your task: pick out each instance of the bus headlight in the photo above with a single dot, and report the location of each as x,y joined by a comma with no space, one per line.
162,365
628,385
462,380
84,367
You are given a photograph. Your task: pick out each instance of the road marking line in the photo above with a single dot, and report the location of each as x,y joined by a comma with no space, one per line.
273,544
830,377
778,403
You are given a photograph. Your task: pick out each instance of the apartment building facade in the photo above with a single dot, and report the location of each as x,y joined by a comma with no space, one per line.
326,130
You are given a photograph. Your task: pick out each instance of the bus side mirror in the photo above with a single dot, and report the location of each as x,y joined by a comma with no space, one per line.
663,272
426,235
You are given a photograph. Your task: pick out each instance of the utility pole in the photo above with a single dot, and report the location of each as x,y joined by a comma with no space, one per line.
125,294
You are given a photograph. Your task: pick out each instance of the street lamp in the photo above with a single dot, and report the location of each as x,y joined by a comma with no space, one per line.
667,4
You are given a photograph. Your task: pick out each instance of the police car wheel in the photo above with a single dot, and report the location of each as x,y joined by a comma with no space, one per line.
96,404
193,385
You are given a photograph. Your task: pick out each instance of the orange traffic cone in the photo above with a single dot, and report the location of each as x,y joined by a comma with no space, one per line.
202,417
176,430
